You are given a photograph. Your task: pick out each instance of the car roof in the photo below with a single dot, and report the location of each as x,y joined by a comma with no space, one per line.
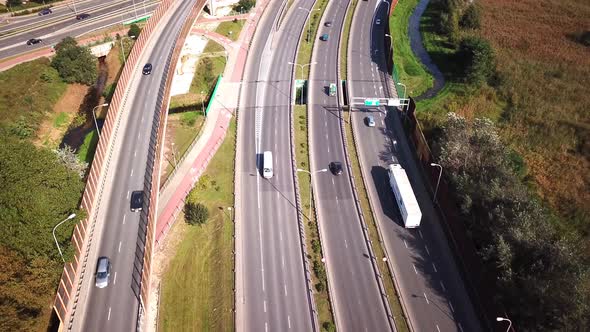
103,263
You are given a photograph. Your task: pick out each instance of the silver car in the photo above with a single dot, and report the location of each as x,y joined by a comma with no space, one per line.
103,271
370,121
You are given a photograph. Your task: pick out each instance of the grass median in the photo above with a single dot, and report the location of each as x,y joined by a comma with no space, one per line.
308,35
197,288
345,37
394,303
314,251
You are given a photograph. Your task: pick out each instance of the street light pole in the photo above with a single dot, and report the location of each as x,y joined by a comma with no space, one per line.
309,24
311,184
501,319
438,181
71,216
94,116
302,66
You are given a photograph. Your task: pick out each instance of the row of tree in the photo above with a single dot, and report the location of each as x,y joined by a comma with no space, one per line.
543,275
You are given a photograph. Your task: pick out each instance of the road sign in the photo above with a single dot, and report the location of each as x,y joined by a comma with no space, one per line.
371,102
394,102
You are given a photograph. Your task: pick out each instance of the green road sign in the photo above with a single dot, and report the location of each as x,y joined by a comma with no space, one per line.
371,102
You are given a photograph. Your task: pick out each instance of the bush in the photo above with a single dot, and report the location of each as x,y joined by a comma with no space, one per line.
134,31
328,326
74,63
319,287
195,213
478,60
471,17
109,91
244,5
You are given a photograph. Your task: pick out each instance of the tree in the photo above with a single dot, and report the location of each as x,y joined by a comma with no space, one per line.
478,59
67,156
134,31
244,5
74,63
471,17
14,3
195,213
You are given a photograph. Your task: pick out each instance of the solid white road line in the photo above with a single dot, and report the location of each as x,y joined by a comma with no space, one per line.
437,328
426,297
109,316
415,268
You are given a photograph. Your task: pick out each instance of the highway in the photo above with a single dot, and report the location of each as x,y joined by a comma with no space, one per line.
358,304
120,233
62,23
427,275
275,295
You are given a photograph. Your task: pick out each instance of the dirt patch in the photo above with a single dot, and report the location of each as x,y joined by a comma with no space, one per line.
56,123
114,64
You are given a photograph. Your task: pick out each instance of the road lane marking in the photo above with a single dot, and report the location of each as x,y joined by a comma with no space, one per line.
420,232
460,327
138,135
142,119
285,285
289,321
451,305
115,279
131,172
264,305
128,192
124,216
345,243
437,328
415,268
120,244
283,261
406,244
109,316
427,251
265,326
443,286
434,266
426,297
135,153
333,181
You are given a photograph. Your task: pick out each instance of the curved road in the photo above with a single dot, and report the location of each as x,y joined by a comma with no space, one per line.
427,275
358,304
275,296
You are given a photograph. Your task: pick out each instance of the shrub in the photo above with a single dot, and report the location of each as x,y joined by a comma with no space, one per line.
471,18
320,286
109,91
328,326
134,31
74,63
244,5
477,57
195,213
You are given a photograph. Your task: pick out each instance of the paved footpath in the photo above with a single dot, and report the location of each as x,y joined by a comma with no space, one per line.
224,103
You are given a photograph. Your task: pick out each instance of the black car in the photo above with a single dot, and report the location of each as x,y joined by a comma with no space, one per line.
147,69
336,167
45,11
328,24
33,41
136,201
82,16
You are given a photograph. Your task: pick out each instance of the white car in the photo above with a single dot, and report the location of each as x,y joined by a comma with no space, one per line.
370,121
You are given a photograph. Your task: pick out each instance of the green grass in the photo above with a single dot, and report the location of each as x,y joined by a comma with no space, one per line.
410,69
197,287
394,303
230,29
308,36
344,40
205,78
60,119
187,127
87,149
311,233
28,93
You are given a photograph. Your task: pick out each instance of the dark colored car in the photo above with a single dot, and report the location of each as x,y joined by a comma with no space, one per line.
136,200
82,16
336,167
103,271
324,37
147,69
328,24
45,11
33,41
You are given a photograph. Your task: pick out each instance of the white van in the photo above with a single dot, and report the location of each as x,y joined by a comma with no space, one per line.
267,165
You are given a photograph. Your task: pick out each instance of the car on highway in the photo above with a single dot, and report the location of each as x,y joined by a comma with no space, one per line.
328,24
103,272
324,37
335,167
45,11
136,201
34,41
378,21
147,69
82,16
370,121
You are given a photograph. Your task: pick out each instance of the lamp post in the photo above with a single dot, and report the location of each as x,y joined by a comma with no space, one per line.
309,26
437,182
502,319
94,116
123,49
71,216
302,66
311,184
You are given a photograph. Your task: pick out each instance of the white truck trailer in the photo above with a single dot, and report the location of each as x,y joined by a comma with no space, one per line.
404,196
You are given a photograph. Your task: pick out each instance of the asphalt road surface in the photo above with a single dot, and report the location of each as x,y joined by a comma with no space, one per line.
428,277
358,304
275,296
115,308
62,23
